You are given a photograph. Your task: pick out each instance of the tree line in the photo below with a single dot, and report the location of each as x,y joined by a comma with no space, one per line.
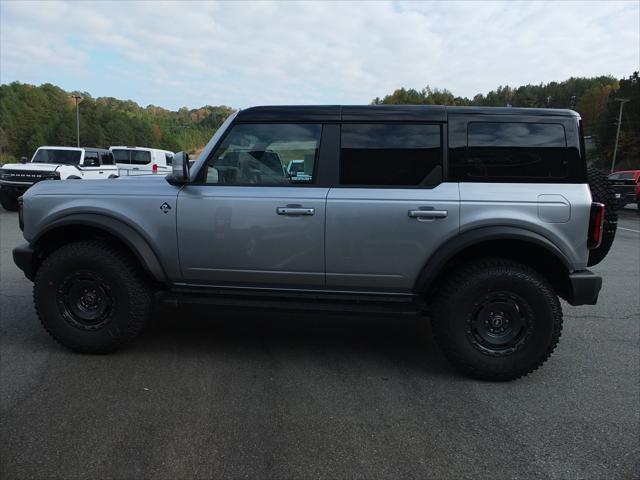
594,98
31,116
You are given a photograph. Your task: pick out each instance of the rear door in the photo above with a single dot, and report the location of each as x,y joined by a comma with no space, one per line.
392,208
245,222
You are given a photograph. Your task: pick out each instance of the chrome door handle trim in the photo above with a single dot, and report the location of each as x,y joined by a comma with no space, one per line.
428,213
293,211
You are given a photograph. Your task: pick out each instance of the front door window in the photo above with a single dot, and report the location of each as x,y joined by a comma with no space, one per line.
262,154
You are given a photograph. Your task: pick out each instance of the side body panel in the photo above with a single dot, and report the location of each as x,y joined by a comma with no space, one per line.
373,243
233,235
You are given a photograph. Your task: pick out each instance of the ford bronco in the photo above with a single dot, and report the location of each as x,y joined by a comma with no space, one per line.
54,163
480,218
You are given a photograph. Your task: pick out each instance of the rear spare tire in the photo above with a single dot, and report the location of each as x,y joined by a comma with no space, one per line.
91,297
602,192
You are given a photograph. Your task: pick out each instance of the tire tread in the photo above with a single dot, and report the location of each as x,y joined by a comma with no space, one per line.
440,325
131,276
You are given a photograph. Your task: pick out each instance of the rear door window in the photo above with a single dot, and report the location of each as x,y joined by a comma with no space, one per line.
390,155
107,158
140,157
122,156
91,158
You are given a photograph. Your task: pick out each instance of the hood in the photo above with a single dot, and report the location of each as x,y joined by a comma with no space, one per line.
125,186
40,167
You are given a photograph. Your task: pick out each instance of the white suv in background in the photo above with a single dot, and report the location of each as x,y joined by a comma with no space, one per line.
54,163
142,160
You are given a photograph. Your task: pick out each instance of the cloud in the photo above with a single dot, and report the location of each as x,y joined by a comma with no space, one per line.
244,53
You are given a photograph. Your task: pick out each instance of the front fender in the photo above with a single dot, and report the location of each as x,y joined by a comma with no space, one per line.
129,235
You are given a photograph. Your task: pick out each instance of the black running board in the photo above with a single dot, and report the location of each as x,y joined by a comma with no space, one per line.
295,300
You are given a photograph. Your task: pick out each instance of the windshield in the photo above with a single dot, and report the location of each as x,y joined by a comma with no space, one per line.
66,157
621,176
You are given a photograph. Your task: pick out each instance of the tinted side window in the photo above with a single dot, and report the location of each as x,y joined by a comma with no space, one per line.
91,159
122,156
107,158
390,154
513,151
169,158
140,157
258,154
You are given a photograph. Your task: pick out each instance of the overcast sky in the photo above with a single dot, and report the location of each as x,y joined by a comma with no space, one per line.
241,54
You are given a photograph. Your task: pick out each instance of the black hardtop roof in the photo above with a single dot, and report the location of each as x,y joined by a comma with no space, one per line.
436,113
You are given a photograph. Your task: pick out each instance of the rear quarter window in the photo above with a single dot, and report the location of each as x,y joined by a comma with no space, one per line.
515,152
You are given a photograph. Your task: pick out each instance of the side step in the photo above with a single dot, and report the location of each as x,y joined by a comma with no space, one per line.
293,300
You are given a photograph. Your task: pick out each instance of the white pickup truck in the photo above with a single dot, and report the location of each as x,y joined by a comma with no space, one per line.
54,163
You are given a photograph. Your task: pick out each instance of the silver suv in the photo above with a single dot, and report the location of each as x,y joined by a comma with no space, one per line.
478,217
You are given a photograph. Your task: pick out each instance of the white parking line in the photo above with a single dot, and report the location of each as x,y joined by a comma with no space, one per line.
629,229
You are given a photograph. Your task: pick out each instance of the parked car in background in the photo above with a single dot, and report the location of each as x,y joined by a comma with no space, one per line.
626,185
54,163
142,160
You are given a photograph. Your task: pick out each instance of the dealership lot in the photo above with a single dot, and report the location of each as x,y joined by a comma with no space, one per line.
210,394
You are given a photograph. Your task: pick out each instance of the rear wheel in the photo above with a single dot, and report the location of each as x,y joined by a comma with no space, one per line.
91,297
8,201
602,192
497,319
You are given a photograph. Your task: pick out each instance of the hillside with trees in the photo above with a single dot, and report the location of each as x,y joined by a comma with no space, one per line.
594,98
31,116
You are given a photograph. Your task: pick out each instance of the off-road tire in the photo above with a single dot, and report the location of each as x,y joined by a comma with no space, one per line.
602,192
9,202
455,316
121,281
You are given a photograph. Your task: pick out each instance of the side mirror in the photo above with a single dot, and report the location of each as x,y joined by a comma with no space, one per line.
180,167
23,159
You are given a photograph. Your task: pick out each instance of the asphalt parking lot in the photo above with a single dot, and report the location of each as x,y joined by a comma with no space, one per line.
210,394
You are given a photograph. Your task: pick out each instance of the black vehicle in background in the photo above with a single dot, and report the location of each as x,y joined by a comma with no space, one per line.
626,185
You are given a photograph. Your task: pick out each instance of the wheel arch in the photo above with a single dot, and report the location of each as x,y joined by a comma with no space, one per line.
513,243
94,226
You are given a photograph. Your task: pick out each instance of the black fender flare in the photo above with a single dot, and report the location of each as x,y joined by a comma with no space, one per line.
467,239
131,237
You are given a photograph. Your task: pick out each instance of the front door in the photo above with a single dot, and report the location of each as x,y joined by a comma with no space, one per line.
91,166
246,221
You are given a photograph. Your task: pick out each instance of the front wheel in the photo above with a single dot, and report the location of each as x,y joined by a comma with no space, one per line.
8,201
497,319
91,297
